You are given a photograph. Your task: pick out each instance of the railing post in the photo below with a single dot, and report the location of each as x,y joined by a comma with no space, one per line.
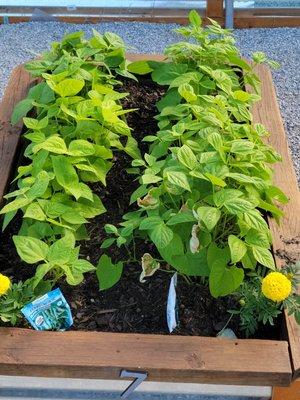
229,11
214,9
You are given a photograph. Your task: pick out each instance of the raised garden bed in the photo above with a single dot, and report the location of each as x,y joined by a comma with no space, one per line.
180,357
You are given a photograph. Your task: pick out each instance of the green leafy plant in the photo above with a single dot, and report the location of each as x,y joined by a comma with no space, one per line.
78,124
255,308
17,297
206,183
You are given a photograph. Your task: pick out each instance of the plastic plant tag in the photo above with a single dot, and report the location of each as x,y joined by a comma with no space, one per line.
172,310
227,333
49,312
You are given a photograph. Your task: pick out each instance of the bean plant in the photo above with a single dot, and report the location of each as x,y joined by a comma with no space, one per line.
204,186
76,125
206,182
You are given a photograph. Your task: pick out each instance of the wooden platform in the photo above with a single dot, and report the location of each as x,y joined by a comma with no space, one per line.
165,358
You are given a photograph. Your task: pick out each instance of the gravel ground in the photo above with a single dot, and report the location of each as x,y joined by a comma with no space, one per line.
21,42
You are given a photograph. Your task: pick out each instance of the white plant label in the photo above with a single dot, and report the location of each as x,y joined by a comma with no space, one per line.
172,304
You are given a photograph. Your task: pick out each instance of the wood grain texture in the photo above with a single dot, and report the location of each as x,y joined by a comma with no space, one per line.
289,393
286,236
17,89
166,358
214,8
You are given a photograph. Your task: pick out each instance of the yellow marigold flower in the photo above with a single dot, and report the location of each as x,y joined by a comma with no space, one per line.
276,286
4,284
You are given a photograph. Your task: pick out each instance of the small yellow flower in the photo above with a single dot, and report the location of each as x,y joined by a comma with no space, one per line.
276,286
4,284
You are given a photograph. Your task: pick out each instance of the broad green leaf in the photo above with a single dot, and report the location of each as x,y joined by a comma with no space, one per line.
275,193
138,193
238,205
150,223
108,274
257,238
248,179
187,157
41,93
241,146
54,144
41,271
254,219
209,215
107,243
237,248
223,196
34,211
215,139
178,178
15,205
241,95
161,235
192,264
215,180
215,253
139,67
164,73
195,18
31,250
181,217
73,276
8,217
248,261
73,218
40,185
69,87
21,109
187,92
62,250
132,148
33,123
224,280
83,266
81,147
150,178
263,256
65,175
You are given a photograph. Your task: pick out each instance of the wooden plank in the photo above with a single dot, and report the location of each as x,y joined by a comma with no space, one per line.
266,21
214,8
17,89
290,393
165,358
275,12
286,237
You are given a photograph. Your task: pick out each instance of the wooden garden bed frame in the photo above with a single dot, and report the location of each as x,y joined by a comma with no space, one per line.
166,358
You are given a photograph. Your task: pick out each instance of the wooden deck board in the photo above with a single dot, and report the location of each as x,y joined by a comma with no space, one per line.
165,358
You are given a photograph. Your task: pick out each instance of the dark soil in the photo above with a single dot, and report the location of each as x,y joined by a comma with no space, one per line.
130,306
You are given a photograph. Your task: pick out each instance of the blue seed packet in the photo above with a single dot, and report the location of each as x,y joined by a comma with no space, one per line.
49,312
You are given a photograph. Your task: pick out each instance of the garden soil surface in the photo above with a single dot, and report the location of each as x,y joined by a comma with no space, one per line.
131,306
